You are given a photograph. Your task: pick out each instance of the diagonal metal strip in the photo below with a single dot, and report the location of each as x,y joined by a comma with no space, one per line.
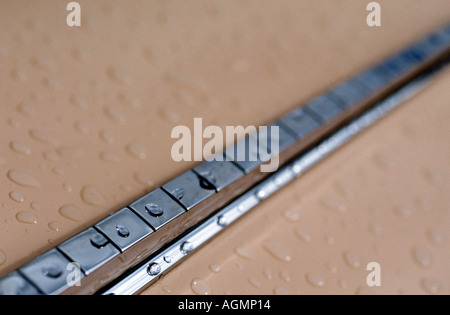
155,266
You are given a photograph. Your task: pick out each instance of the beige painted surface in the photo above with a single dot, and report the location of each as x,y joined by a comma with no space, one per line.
86,113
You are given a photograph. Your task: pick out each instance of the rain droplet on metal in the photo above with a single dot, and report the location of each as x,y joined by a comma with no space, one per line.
154,210
154,269
122,231
52,271
222,221
98,240
186,247
277,250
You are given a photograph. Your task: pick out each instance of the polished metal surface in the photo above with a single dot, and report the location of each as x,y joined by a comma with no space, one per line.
90,249
189,189
219,173
124,228
157,208
47,272
15,284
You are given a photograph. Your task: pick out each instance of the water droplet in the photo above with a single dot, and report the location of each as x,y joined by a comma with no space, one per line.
81,128
431,286
154,269
303,234
117,75
79,54
383,162
278,290
277,250
50,156
421,257
69,153
222,220
292,215
20,147
352,259
50,83
154,210
122,231
17,196
137,151
67,187
342,284
315,280
115,115
2,257
129,100
54,225
26,217
284,275
43,63
344,190
35,206
267,273
125,187
178,193
329,239
107,136
70,212
186,247
26,109
42,137
376,228
334,205
58,171
14,122
109,156
200,287
331,267
19,75
23,179
143,179
436,237
243,252
254,282
91,196
168,114
166,289
215,268
403,212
